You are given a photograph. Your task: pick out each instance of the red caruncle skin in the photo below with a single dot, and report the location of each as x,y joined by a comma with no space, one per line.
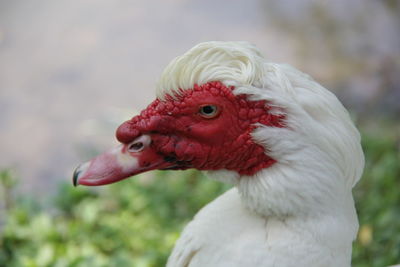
183,135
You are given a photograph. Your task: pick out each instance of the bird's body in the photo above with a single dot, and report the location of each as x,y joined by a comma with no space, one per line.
227,233
285,143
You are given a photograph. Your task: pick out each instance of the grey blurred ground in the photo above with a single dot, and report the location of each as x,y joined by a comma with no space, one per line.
71,71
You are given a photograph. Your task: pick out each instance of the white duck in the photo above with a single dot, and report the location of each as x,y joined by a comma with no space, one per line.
285,142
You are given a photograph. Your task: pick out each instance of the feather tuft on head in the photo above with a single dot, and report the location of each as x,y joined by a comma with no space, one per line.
232,63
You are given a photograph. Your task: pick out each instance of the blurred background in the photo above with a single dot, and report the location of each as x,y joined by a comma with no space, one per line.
72,71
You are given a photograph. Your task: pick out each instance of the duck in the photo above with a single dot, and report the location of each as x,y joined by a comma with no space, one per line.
286,144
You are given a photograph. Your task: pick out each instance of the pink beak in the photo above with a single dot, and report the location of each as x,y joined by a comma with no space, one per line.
120,163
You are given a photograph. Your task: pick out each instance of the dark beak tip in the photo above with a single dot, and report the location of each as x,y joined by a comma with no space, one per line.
75,176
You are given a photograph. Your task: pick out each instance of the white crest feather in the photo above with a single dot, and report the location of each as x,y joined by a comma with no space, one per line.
233,63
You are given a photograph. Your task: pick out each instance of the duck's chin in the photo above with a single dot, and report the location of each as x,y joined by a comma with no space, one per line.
224,176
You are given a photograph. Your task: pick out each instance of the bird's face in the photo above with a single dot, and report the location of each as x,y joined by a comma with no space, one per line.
207,127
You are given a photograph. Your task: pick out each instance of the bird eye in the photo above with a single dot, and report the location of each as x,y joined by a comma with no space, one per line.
208,111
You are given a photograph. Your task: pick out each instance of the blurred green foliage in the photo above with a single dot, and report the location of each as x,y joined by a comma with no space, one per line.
132,223
136,222
377,198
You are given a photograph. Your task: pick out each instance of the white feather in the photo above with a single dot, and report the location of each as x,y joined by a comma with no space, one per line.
298,212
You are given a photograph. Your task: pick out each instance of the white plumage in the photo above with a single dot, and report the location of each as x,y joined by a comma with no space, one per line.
298,212
297,208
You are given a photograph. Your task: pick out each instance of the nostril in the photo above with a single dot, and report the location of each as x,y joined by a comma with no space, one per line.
136,147
139,143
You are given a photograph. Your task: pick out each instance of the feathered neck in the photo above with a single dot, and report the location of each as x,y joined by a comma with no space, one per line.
318,152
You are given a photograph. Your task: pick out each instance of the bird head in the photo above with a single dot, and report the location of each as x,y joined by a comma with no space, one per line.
286,141
197,122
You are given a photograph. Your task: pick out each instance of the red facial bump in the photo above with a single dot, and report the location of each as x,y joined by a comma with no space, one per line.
206,127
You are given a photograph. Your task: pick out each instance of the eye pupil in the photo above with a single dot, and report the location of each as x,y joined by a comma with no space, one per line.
208,110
